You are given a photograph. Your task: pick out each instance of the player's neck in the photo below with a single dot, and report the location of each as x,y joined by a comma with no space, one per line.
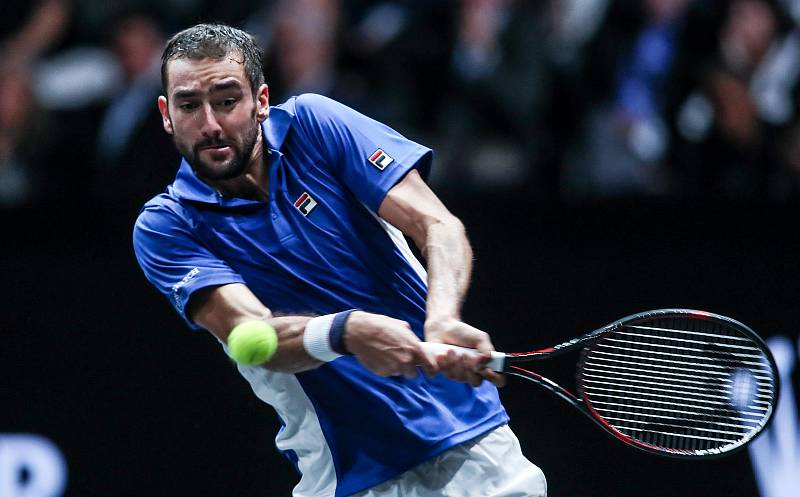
253,183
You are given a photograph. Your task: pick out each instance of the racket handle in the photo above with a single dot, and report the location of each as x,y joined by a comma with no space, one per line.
433,349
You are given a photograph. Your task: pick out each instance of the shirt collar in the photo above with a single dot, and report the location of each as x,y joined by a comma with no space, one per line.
187,186
277,126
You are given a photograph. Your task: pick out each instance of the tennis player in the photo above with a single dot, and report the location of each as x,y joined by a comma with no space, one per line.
293,214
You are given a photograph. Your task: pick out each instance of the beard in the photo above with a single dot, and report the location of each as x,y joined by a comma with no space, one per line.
241,149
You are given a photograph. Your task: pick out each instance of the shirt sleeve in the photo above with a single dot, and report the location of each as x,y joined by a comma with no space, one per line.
174,261
368,156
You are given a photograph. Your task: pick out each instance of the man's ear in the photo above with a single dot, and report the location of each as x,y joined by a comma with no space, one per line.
163,108
262,103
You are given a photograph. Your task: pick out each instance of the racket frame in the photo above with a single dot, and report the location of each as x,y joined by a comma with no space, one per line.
580,400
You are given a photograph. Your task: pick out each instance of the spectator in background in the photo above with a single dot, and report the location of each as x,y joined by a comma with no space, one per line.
22,123
625,137
21,139
134,157
302,53
737,100
571,25
44,22
492,127
778,83
382,58
396,59
577,98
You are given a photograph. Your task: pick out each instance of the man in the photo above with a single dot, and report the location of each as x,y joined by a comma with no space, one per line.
290,214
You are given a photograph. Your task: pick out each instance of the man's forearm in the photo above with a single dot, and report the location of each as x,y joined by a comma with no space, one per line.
219,309
449,262
291,356
384,345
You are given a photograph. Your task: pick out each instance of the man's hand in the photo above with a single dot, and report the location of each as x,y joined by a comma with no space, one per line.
461,366
386,346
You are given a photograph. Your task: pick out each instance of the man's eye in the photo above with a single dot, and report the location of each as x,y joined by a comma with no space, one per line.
229,102
188,106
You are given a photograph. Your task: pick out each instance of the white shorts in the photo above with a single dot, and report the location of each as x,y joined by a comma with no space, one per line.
489,466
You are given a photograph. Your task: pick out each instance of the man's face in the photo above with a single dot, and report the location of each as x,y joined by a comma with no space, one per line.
212,116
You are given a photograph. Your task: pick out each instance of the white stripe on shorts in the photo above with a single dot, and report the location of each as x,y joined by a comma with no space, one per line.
489,466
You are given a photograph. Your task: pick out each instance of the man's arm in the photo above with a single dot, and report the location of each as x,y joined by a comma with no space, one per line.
414,209
384,345
220,308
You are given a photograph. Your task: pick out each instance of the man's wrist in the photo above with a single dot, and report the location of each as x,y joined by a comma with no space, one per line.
440,322
338,328
323,337
442,318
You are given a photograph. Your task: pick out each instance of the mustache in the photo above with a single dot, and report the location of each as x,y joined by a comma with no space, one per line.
211,142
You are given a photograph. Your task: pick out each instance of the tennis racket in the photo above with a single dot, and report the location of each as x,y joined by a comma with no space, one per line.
673,382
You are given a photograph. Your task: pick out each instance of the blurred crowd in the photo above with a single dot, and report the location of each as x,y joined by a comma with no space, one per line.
565,100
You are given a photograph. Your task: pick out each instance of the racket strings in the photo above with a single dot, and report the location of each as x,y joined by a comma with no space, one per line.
679,384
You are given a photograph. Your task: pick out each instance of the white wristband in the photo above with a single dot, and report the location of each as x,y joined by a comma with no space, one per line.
316,338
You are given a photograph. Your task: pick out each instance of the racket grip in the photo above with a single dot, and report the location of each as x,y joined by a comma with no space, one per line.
433,349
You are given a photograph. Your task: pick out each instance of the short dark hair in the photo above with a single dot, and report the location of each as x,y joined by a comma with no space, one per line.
215,41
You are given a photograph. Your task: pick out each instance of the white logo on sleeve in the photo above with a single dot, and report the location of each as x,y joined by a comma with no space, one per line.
176,297
380,159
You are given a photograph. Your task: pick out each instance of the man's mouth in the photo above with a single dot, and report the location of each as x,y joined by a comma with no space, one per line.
217,146
216,152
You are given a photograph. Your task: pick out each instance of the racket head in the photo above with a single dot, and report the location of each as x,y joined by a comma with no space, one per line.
679,382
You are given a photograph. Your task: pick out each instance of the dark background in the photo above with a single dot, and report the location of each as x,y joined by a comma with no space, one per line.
644,156
94,359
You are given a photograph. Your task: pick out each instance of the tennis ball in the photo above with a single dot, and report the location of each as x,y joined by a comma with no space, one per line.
252,342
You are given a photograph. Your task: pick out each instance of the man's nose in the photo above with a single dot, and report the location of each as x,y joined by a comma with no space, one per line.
210,126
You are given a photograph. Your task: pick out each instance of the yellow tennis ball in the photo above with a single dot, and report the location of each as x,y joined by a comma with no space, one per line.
252,342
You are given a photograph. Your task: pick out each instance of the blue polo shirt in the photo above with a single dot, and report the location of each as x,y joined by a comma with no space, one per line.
319,247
